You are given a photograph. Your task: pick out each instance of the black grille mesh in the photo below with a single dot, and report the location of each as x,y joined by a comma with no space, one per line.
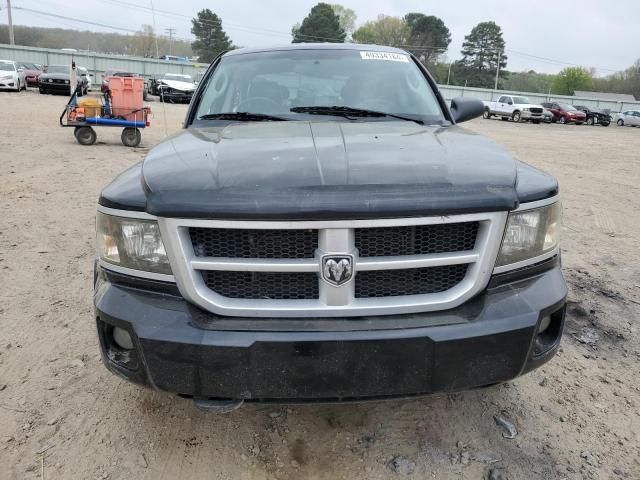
223,242
416,240
263,285
414,281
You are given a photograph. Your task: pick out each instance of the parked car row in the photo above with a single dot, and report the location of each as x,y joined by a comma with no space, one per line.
520,109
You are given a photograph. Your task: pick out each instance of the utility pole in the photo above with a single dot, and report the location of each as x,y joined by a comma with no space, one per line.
498,70
170,32
449,74
12,40
155,37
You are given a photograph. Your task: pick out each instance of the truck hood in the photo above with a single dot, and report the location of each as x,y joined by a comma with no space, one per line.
324,170
178,85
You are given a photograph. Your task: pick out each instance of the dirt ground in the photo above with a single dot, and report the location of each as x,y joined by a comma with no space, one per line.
63,416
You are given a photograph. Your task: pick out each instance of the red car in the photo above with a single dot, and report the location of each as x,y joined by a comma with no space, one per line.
32,72
565,113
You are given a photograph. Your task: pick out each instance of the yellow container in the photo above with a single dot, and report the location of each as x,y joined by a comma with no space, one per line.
92,107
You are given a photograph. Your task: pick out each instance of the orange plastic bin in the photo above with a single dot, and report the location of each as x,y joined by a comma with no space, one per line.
127,97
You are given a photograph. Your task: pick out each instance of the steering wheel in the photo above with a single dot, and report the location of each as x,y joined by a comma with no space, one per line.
266,101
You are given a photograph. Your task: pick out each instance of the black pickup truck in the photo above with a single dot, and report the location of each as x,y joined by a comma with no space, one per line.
323,230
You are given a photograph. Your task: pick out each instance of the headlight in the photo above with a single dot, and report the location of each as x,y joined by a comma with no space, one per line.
67,82
530,233
525,109
131,243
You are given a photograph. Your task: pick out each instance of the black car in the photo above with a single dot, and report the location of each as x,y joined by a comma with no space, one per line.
56,80
154,83
322,229
595,117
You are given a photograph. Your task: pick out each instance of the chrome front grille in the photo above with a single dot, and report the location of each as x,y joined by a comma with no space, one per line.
246,243
410,281
263,285
416,240
266,269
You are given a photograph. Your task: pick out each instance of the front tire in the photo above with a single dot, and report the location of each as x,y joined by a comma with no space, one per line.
85,135
517,117
620,123
590,121
487,114
563,120
131,137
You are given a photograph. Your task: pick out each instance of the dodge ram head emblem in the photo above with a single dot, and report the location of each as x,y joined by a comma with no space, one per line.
337,269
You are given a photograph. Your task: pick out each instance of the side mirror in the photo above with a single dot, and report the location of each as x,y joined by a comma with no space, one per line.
510,103
464,109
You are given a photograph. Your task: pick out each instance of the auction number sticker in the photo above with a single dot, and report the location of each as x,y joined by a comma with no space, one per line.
385,56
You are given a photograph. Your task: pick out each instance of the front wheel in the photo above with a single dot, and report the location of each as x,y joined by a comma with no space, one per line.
85,135
563,120
131,137
620,122
590,121
517,117
487,114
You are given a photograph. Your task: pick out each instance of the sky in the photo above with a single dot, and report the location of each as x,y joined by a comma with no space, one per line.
541,35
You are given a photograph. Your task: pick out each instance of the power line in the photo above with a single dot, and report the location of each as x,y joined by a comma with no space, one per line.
264,31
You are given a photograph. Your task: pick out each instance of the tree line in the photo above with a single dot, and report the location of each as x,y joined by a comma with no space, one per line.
140,44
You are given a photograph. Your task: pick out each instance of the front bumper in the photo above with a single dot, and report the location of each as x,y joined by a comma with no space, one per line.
50,87
176,96
527,115
180,348
8,83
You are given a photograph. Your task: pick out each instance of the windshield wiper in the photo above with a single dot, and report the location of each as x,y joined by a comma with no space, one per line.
348,112
243,117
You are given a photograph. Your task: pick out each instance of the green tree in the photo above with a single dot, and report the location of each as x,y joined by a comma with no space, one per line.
627,81
571,79
346,16
530,81
385,30
321,25
429,37
143,43
482,51
211,40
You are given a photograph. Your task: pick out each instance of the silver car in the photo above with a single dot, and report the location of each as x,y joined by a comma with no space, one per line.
630,117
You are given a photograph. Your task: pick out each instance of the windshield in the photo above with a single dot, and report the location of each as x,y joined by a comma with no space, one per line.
7,67
521,100
178,77
567,106
274,83
58,69
28,66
